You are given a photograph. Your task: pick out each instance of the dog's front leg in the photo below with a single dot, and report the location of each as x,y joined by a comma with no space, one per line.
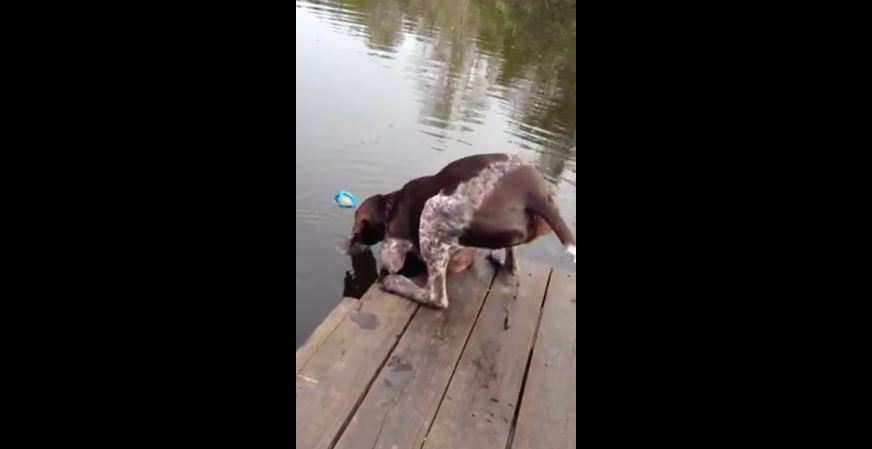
435,294
507,258
403,286
393,254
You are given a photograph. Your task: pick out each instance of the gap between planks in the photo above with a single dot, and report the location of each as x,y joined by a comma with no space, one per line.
477,409
324,331
350,305
546,418
514,426
420,367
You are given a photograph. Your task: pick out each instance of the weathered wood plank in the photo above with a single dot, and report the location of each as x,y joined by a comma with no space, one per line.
479,405
547,416
324,330
402,401
337,376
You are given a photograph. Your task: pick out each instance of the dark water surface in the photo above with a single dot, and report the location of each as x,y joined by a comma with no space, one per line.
390,90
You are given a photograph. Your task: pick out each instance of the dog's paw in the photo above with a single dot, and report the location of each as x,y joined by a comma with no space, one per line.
393,283
497,256
437,305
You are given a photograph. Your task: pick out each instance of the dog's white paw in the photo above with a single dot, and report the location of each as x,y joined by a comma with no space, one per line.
570,249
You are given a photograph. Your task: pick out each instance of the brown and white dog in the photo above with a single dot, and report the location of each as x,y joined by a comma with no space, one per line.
487,201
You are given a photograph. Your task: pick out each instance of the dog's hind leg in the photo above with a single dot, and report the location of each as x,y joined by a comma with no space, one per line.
506,258
511,264
437,256
546,207
462,259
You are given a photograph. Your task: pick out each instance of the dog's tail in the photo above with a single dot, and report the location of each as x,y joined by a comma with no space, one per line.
547,209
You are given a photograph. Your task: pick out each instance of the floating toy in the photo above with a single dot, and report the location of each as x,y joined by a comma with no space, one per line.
345,199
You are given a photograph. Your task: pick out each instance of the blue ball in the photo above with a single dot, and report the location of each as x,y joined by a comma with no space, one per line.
345,199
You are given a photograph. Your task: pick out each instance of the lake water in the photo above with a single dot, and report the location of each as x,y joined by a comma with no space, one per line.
390,90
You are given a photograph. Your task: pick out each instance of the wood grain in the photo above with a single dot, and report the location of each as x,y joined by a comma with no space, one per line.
548,409
324,330
479,405
400,406
335,378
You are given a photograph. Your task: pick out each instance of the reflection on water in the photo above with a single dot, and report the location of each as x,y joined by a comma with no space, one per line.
471,56
364,272
389,90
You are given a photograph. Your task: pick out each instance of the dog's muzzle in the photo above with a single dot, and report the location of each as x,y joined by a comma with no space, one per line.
354,247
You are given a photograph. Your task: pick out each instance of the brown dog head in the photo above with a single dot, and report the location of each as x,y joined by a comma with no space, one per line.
369,222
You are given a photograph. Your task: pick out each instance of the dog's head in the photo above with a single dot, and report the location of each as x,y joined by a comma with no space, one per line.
369,222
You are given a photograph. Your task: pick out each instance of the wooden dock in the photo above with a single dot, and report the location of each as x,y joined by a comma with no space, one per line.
494,370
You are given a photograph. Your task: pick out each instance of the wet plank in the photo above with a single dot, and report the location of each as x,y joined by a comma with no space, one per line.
402,401
548,410
338,374
324,330
479,406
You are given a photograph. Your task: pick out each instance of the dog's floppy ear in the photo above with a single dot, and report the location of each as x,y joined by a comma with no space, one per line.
365,214
369,221
361,221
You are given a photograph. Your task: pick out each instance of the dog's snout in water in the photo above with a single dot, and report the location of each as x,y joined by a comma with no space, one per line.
353,247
